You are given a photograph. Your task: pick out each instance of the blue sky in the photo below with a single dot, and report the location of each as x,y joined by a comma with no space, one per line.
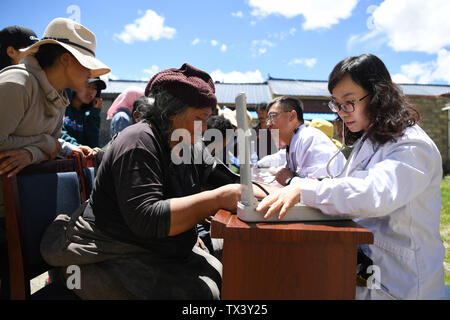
246,40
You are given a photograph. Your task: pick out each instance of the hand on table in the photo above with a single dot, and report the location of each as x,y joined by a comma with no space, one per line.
280,199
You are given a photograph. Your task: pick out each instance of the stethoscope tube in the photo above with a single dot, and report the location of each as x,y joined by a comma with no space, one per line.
347,162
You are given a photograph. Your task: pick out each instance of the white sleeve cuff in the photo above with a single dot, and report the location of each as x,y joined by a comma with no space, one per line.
66,148
307,189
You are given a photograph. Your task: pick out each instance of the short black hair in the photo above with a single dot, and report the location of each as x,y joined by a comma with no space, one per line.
220,123
288,104
17,37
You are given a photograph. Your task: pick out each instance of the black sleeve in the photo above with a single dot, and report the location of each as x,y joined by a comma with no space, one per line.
138,179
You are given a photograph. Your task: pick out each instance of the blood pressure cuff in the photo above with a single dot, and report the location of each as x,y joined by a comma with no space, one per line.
212,172
219,175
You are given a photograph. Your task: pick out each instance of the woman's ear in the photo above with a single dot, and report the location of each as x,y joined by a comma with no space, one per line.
13,54
65,59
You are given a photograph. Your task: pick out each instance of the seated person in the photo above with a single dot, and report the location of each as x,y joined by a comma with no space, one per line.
82,118
135,238
265,143
215,143
308,149
120,111
231,150
223,125
140,107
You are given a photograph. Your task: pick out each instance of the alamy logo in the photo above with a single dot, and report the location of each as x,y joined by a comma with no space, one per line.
75,13
217,144
373,282
74,280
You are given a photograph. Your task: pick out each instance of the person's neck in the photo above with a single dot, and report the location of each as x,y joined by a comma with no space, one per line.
56,78
294,128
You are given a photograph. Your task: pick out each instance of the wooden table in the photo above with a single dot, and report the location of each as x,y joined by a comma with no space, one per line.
311,260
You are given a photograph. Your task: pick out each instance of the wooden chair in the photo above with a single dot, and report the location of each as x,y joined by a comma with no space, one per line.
33,198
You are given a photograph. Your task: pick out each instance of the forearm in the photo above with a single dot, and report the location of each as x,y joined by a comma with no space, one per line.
40,146
37,154
16,142
187,211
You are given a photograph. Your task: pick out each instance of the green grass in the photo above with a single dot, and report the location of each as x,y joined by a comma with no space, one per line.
445,224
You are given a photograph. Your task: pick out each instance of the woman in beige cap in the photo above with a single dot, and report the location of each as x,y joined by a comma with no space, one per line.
32,97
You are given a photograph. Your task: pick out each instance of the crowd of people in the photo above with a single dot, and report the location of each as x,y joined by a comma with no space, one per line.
144,232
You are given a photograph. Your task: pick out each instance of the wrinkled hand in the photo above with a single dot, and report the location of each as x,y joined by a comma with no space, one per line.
283,175
12,161
281,199
97,103
85,152
95,151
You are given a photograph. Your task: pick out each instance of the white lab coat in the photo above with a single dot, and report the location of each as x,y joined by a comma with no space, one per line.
309,151
394,191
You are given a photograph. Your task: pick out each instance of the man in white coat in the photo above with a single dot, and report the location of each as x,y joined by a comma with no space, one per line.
307,149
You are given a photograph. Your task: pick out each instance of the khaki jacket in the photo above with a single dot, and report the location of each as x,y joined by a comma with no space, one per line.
31,110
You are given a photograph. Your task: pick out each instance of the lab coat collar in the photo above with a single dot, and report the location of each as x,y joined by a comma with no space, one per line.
362,156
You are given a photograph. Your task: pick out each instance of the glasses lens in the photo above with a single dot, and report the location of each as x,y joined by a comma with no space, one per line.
332,105
271,116
348,107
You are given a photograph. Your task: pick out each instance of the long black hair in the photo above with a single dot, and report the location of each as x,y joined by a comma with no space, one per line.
163,106
388,110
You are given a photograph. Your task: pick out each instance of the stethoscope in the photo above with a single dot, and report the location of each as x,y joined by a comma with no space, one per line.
355,147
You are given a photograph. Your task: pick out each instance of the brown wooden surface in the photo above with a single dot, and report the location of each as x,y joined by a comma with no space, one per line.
310,260
18,273
19,286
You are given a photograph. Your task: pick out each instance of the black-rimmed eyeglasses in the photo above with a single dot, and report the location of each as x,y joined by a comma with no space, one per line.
348,106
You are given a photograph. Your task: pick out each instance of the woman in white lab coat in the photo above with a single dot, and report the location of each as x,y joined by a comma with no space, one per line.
391,184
